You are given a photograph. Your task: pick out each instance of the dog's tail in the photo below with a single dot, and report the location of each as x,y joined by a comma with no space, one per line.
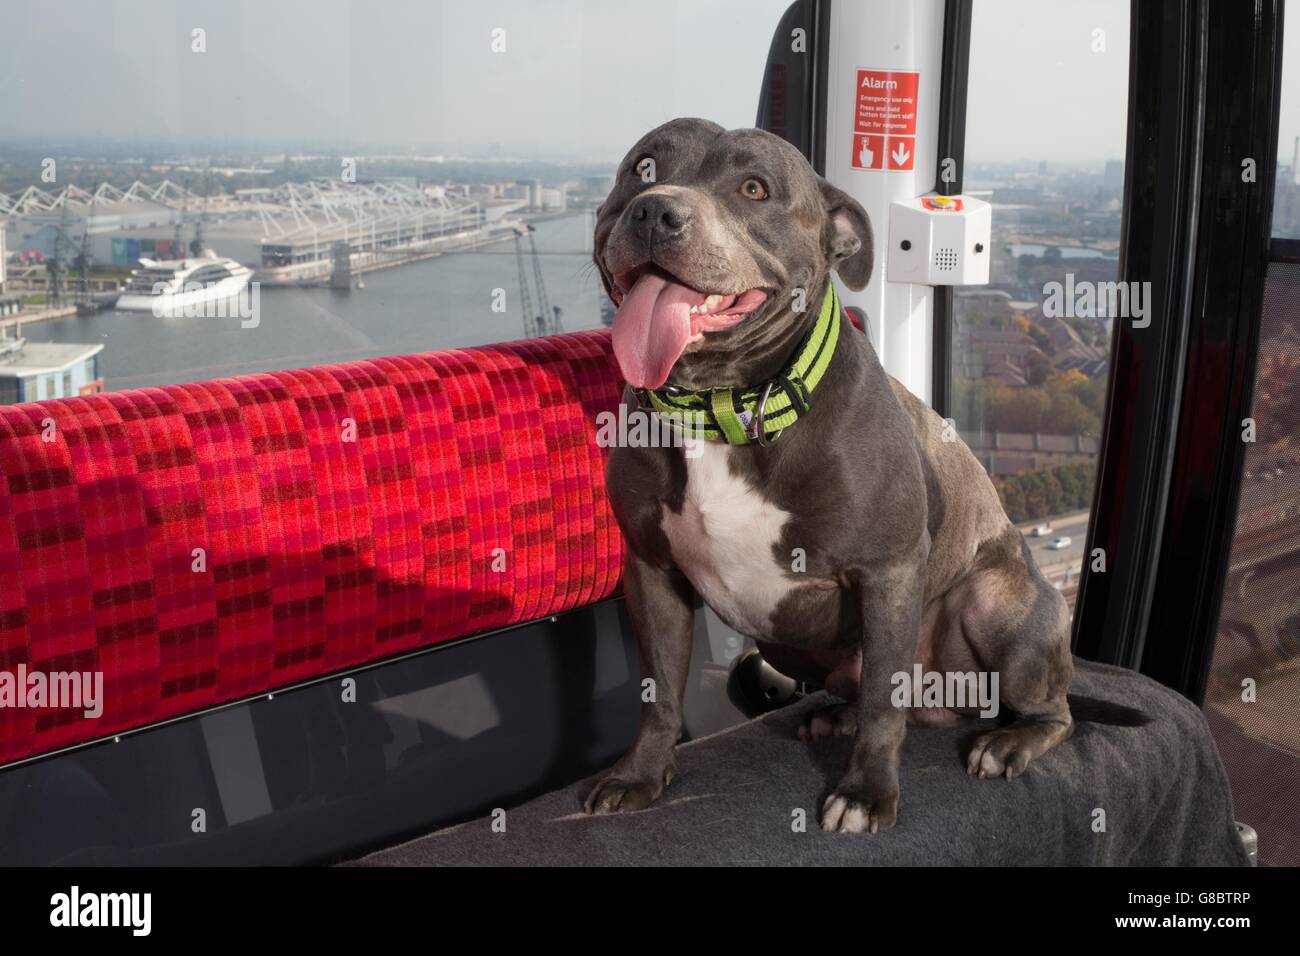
1095,711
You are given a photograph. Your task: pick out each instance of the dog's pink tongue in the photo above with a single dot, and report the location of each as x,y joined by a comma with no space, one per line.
651,328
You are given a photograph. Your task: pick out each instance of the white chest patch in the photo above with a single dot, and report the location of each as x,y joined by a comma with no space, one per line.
723,541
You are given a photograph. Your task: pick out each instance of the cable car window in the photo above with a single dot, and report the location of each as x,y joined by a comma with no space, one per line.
1030,350
398,177
1286,203
1254,680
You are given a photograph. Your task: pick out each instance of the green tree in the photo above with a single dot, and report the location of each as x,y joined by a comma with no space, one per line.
1037,368
1013,500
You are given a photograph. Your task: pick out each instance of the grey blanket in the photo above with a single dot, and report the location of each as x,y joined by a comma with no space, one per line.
739,795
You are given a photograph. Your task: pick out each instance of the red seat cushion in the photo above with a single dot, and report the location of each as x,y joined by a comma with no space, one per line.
335,516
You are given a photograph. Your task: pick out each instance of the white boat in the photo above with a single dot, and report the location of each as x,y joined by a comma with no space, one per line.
182,286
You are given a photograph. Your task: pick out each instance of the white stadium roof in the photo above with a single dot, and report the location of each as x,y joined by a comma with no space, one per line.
321,208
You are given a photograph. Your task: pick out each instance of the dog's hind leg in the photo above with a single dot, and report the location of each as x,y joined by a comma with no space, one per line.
838,720
1007,751
1017,626
836,670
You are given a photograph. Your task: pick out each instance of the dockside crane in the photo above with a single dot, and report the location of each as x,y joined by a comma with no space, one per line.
59,269
525,303
196,244
85,301
546,319
56,265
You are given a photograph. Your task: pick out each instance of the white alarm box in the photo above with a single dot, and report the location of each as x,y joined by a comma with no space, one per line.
940,240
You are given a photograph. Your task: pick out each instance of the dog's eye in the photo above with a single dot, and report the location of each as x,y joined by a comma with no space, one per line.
753,189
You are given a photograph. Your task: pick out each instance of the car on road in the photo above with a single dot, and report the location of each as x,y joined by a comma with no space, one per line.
1061,543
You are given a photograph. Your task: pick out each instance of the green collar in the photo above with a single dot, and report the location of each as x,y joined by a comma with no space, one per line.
735,415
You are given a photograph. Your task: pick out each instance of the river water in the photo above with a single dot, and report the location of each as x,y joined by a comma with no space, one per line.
435,304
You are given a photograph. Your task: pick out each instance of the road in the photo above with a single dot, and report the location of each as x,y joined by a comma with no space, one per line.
1056,564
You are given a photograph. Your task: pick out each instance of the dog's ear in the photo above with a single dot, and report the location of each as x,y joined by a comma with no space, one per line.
848,237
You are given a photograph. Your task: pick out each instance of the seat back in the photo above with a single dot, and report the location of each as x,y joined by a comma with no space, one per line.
198,544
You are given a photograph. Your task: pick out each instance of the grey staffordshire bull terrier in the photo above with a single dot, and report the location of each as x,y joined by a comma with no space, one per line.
910,557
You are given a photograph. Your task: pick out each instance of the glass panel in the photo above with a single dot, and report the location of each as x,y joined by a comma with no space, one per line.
505,712
371,163
1254,682
1286,205
1031,350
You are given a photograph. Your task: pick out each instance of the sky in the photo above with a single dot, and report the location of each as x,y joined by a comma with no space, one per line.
578,78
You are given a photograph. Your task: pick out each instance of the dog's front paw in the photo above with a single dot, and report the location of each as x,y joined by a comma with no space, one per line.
618,795
859,810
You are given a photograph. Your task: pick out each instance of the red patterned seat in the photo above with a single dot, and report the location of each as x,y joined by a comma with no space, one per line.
203,543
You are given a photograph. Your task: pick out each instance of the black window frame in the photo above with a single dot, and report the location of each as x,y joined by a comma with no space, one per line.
1170,470
952,145
792,98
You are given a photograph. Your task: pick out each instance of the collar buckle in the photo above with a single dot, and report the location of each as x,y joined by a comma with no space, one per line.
759,429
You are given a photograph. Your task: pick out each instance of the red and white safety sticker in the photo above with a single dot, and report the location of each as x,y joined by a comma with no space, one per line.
884,119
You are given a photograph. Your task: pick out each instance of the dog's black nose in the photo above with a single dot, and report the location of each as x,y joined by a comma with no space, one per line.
660,215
